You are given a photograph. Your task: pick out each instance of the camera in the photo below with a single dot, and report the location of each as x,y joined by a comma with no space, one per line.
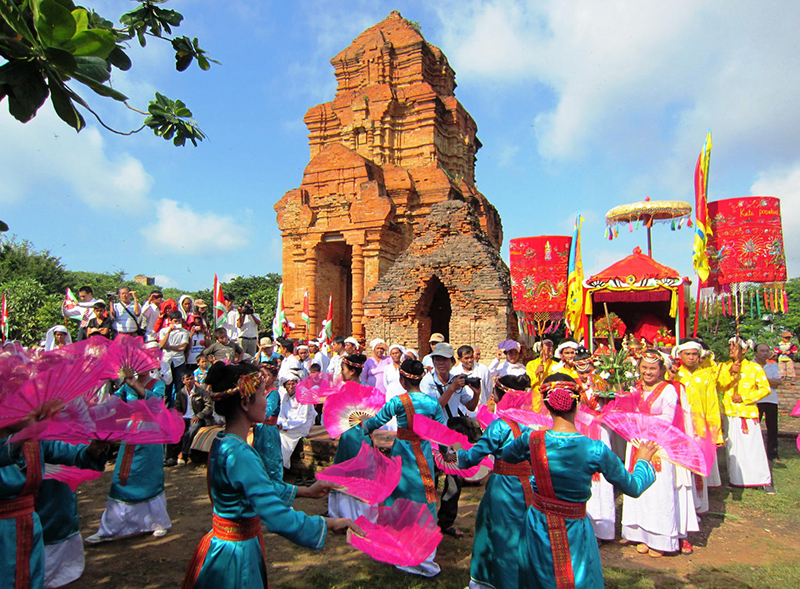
111,295
473,381
246,309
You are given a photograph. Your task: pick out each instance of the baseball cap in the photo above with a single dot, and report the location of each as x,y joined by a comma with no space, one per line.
265,341
436,337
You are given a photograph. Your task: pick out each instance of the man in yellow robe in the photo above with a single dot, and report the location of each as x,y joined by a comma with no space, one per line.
744,383
539,369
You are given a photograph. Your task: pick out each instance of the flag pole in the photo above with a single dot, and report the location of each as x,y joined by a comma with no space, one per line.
696,308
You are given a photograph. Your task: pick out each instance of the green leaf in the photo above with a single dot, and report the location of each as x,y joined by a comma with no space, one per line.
92,42
183,61
100,89
119,59
94,68
62,103
55,24
81,17
13,17
60,59
203,63
26,98
16,72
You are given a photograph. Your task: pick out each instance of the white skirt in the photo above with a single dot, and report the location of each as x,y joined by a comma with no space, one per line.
63,562
344,505
427,568
600,508
714,479
123,519
700,493
747,459
289,442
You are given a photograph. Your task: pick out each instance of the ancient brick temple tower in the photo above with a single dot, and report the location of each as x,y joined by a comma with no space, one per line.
387,218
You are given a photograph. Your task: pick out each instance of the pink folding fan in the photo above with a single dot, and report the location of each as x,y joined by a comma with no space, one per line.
485,417
486,465
71,475
346,408
587,421
518,406
404,534
433,431
315,388
54,387
129,353
370,476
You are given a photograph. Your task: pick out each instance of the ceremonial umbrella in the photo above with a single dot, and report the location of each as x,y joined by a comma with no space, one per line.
647,212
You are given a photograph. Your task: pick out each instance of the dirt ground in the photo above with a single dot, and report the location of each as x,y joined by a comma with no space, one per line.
735,536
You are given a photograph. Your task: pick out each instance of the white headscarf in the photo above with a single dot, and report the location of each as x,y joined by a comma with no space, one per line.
690,345
745,345
180,306
50,338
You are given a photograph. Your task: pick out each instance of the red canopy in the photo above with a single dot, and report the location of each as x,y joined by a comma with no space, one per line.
633,270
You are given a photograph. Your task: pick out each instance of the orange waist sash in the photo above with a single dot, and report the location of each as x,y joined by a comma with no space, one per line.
523,469
559,508
271,421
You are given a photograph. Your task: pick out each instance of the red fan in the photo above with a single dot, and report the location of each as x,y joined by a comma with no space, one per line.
370,476
676,446
347,407
405,534
587,421
128,352
315,388
55,386
485,466
433,431
518,406
146,421
485,417
71,475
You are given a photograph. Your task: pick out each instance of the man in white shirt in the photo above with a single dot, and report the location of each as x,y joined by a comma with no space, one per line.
174,340
768,406
290,363
335,365
150,312
451,392
304,356
510,364
248,322
125,312
295,419
469,367
427,361
83,311
231,324
317,357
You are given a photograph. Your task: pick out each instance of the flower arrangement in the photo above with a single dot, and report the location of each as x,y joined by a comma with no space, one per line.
613,324
618,370
664,338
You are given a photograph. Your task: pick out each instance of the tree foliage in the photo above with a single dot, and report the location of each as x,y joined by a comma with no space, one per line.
19,260
31,310
54,46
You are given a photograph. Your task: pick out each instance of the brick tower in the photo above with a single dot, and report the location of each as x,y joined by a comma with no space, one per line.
387,218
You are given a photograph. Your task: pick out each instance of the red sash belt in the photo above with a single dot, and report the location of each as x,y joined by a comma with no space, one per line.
125,467
229,530
555,510
408,435
271,421
21,510
523,469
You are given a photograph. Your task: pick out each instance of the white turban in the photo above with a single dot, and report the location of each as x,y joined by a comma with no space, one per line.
745,345
690,345
564,345
377,341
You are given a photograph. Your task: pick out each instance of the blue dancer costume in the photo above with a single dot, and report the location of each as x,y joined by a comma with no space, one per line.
267,437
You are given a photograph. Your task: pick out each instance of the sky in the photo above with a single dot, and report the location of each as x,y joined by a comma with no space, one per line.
580,106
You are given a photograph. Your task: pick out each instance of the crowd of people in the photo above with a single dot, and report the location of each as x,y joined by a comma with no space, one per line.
549,500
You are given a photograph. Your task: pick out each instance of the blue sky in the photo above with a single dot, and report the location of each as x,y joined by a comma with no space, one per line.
580,106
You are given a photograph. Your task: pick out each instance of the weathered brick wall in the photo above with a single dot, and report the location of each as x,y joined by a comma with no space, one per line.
789,391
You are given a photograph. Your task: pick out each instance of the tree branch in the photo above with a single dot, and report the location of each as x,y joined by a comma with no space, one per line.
82,102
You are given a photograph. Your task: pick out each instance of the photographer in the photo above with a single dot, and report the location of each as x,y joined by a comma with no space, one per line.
125,312
451,391
248,323
476,373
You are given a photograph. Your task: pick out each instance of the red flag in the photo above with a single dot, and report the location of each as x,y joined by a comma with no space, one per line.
220,312
306,314
326,334
4,320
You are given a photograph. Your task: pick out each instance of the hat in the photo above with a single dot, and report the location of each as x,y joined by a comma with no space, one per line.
352,340
200,304
786,334
563,345
265,341
436,338
508,344
377,341
443,349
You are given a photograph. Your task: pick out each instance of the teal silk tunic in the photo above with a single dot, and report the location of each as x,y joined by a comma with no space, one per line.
573,459
146,479
267,438
57,507
411,486
241,488
12,480
495,560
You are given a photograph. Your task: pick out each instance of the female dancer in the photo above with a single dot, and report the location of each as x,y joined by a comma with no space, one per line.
136,501
495,558
557,546
391,379
243,495
416,482
267,436
340,504
659,519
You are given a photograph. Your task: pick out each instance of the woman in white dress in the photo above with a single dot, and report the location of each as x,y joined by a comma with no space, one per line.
391,380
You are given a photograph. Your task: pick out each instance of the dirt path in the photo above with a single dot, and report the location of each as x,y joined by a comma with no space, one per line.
737,536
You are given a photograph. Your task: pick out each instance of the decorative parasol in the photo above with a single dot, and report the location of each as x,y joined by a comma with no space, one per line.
648,212
539,270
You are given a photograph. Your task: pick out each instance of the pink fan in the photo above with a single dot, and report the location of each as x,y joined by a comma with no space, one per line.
485,417
346,408
94,346
56,386
798,442
587,421
433,431
518,406
679,448
145,421
370,476
796,411
71,475
405,534
129,352
315,388
486,465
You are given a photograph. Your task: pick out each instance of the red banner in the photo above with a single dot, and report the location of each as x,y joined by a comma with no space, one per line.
539,268
746,244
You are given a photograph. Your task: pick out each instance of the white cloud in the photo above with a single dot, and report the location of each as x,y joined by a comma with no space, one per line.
624,74
784,184
170,231
165,281
229,276
47,155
